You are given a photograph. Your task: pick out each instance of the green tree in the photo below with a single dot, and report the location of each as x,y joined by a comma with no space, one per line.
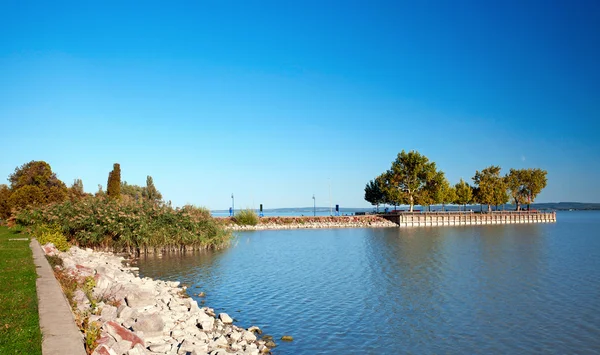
374,194
34,184
391,194
464,193
150,192
113,187
27,196
4,202
447,194
535,182
409,175
134,192
492,188
515,181
76,190
436,187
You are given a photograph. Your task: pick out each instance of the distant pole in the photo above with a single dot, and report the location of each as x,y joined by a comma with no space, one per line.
314,206
232,205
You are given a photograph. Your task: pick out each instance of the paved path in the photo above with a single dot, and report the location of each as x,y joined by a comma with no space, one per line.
60,335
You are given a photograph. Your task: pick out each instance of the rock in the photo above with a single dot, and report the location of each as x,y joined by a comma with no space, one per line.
108,313
149,324
225,318
122,346
207,323
160,348
201,294
104,350
255,329
137,350
235,336
248,336
270,344
287,338
120,333
140,299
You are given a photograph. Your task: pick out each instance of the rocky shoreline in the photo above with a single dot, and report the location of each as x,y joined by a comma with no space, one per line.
307,222
128,315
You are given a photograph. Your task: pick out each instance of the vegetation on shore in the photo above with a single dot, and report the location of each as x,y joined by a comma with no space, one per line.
125,218
414,180
19,319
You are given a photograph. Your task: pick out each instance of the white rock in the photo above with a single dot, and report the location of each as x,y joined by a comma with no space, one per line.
104,350
137,350
160,348
108,313
122,346
225,318
248,336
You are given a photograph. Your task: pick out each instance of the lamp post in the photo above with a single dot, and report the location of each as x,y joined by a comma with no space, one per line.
232,205
314,206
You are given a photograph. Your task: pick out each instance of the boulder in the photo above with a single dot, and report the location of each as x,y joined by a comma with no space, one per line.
108,313
160,348
248,336
140,299
104,350
225,318
120,333
149,324
137,350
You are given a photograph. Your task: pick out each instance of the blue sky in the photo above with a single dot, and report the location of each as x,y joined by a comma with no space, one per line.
277,100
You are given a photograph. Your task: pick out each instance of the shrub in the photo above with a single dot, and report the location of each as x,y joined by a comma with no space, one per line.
129,225
52,234
246,217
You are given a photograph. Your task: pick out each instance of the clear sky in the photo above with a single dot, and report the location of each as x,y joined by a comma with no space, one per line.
276,100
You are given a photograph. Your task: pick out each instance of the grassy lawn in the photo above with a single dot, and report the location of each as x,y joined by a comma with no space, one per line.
19,322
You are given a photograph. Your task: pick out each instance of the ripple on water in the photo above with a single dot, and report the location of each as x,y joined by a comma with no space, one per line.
493,289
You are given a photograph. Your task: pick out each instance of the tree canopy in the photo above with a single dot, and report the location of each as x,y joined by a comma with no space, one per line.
525,184
492,189
374,194
464,193
113,187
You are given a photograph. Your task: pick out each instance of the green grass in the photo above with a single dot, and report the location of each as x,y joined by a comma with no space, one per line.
19,321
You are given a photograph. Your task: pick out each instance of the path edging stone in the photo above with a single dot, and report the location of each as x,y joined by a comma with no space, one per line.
60,335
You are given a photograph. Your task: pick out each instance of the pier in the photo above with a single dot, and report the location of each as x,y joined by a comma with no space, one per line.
433,219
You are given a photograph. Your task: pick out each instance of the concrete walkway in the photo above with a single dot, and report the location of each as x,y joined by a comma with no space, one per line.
60,335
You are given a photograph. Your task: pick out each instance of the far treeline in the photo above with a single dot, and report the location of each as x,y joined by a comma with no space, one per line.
414,180
124,217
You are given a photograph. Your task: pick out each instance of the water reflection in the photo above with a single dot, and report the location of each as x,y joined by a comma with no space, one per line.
528,288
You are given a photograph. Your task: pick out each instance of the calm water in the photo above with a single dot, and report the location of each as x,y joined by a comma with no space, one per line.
516,289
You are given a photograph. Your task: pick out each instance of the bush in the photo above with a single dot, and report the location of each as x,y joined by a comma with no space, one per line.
246,217
52,234
129,225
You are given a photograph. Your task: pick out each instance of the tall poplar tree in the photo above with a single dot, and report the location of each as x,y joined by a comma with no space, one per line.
113,187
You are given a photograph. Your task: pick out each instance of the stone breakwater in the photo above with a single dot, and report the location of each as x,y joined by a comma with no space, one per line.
137,316
305,222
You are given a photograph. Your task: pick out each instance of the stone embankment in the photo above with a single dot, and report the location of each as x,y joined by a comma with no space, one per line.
305,222
135,316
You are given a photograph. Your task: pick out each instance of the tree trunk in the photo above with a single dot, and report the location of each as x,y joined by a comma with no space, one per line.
489,208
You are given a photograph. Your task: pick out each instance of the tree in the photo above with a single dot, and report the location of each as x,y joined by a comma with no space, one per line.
113,187
150,192
391,194
374,194
515,181
464,193
76,190
34,184
528,182
4,203
134,192
492,187
434,191
447,194
409,175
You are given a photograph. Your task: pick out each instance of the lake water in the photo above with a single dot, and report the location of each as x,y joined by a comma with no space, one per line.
512,289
